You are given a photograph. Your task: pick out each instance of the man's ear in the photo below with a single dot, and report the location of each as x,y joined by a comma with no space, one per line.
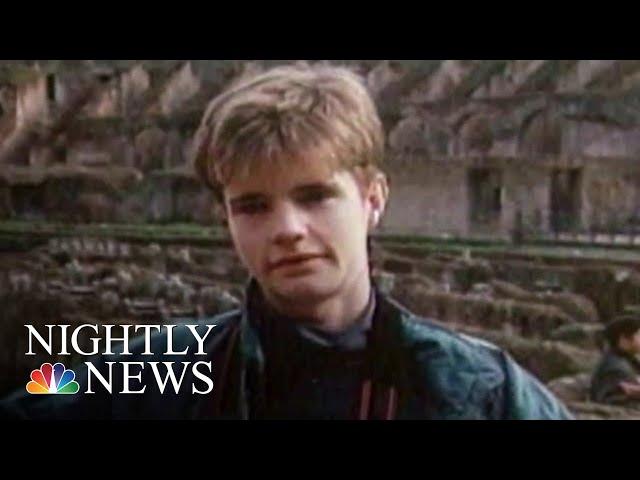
377,196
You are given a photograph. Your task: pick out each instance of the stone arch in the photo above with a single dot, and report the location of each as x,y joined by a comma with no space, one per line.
418,135
541,133
407,136
475,134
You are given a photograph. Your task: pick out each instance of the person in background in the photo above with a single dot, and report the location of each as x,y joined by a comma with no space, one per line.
616,378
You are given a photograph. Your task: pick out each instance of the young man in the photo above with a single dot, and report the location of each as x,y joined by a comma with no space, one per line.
293,155
616,378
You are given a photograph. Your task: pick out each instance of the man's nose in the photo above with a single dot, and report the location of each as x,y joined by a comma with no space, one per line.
289,224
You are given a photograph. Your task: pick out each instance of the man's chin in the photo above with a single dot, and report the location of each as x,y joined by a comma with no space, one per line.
303,290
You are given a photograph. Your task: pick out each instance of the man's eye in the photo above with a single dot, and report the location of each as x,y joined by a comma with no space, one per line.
313,197
251,208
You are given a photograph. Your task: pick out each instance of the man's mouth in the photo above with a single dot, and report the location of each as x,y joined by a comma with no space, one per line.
293,260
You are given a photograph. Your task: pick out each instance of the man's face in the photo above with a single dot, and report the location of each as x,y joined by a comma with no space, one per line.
631,344
301,231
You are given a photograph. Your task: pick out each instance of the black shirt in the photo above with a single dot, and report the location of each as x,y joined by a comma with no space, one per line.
312,374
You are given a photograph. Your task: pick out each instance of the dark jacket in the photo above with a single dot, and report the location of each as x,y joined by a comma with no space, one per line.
614,368
418,370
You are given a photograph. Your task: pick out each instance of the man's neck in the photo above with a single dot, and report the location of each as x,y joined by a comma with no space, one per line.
332,315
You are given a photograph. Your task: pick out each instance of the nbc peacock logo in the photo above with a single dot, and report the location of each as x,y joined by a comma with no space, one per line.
52,379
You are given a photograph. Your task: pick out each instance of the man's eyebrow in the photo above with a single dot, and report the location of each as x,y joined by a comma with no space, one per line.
329,185
247,197
256,196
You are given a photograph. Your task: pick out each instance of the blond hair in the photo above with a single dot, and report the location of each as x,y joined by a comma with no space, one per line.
284,114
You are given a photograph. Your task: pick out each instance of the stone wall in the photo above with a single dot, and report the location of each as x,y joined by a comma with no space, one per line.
31,101
557,139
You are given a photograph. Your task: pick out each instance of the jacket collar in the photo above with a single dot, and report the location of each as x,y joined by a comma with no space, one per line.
414,356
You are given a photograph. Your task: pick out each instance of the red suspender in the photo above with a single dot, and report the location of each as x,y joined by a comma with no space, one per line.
384,406
365,400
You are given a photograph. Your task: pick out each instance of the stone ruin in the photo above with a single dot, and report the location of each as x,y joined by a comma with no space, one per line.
477,148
